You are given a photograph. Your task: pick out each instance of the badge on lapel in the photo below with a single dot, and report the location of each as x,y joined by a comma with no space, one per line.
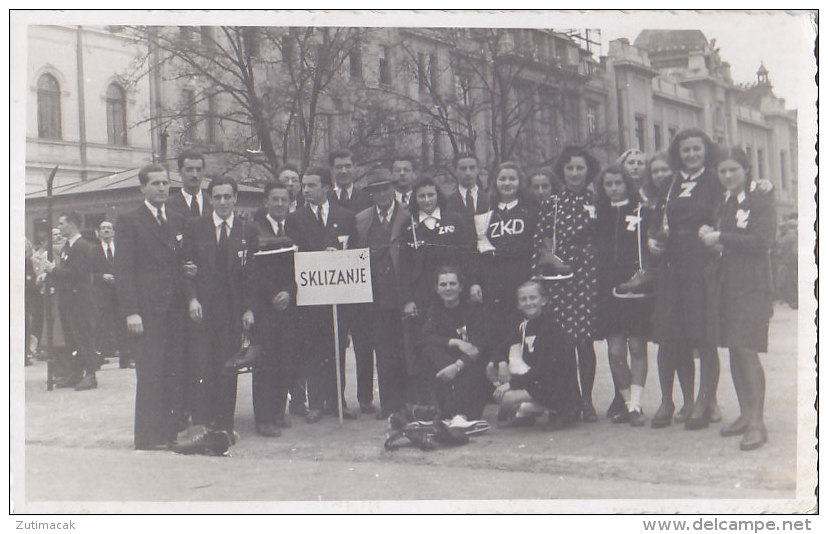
179,240
742,218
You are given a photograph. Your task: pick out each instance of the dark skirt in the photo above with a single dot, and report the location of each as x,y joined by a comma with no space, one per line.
628,317
681,305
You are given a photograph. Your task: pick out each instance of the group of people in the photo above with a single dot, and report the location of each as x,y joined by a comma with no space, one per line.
479,296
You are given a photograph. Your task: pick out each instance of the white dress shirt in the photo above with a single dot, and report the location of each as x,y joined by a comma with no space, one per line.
217,221
199,198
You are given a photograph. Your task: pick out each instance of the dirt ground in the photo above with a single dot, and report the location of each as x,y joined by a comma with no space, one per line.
78,456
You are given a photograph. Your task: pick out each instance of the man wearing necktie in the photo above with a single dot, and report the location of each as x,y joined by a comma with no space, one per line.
469,198
72,278
344,192
320,225
111,333
190,201
381,228
220,304
280,368
149,286
404,171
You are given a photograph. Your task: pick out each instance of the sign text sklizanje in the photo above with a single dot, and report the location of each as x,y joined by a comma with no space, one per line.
333,277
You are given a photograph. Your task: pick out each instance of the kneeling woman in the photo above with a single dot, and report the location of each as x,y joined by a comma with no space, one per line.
541,364
740,293
453,346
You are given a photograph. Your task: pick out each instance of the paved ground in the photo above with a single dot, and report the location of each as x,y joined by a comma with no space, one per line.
78,453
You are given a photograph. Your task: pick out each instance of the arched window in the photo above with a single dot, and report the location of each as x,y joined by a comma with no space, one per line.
116,132
48,107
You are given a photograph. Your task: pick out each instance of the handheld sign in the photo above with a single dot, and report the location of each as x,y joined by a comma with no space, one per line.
333,277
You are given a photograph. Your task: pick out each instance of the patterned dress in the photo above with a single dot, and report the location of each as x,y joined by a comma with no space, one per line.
573,302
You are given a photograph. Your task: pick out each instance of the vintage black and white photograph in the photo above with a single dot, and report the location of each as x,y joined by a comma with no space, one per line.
413,262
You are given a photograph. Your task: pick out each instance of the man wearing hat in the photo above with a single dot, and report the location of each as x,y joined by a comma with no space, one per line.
380,228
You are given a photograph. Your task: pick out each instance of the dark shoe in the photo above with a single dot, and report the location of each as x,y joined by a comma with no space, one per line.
518,422
505,413
616,406
754,437
737,427
87,382
663,416
640,285
683,413
367,408
268,430
619,418
68,381
284,422
715,414
697,421
588,413
637,418
313,416
348,413
198,439
298,408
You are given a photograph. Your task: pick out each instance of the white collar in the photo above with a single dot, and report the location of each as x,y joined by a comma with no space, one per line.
105,245
189,198
434,215
155,210
338,191
739,198
620,203
313,206
463,190
218,220
273,221
390,210
401,196
507,205
685,176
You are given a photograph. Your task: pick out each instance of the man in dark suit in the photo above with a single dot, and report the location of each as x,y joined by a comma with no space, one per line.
381,229
72,278
149,287
404,171
319,225
111,332
190,201
275,311
351,320
469,199
220,303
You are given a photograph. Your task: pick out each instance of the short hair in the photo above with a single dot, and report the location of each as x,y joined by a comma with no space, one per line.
287,167
533,282
106,221
647,184
223,180
342,153
687,133
615,168
449,269
144,172
189,154
464,155
425,181
410,158
577,152
736,154
72,217
323,173
271,185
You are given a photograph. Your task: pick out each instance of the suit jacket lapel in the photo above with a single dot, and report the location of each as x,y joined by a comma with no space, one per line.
151,223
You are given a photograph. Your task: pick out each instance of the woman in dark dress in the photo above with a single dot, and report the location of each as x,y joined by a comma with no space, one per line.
680,310
504,244
625,322
658,178
454,348
433,237
567,225
741,294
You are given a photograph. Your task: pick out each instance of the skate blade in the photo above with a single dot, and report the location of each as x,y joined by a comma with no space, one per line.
556,277
615,293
